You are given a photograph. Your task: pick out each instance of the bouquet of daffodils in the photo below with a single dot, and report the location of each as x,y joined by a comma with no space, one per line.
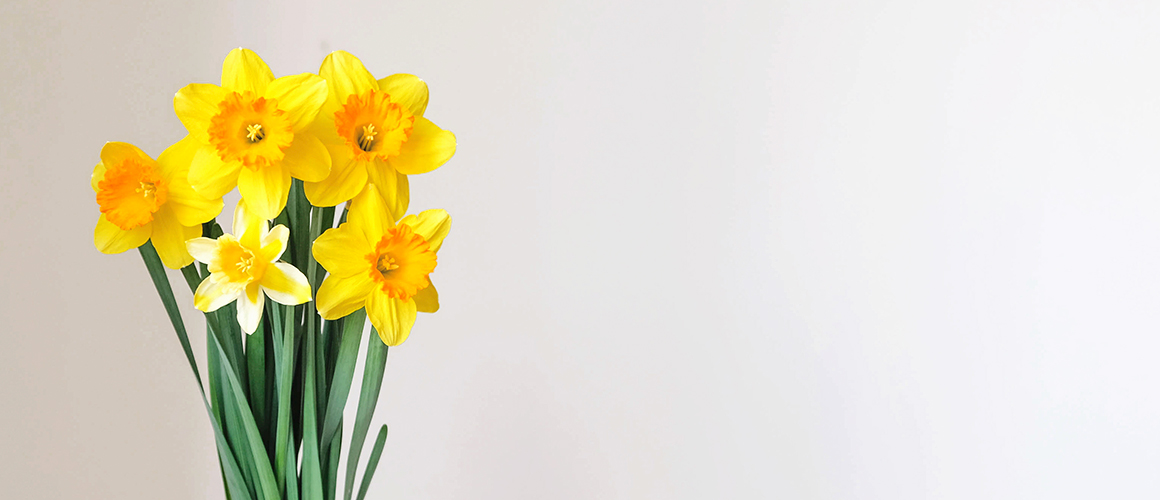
302,290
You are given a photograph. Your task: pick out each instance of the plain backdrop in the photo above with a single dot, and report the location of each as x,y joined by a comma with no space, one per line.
790,249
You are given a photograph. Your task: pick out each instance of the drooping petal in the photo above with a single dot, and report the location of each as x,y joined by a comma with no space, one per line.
341,295
347,177
285,284
393,318
111,239
433,225
265,189
169,238
210,176
369,215
97,177
426,149
195,105
300,96
342,251
393,187
307,158
212,295
244,71
427,300
201,248
250,305
190,207
346,75
408,90
114,153
249,228
274,243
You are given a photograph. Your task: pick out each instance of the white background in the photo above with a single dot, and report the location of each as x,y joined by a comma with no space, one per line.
797,249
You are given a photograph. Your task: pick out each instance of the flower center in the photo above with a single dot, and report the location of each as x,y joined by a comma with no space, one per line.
130,193
373,125
251,130
401,262
236,262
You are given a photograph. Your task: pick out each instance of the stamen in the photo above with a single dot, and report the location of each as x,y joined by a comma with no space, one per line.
368,137
147,189
246,262
254,132
386,263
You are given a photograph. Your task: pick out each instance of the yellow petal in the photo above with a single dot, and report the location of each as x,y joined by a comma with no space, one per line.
116,152
408,90
392,186
300,96
285,284
347,177
250,310
169,238
244,71
369,215
341,295
111,239
249,228
190,207
265,189
201,248
307,158
342,251
210,176
426,149
393,318
274,243
98,176
345,75
427,300
212,295
196,104
433,225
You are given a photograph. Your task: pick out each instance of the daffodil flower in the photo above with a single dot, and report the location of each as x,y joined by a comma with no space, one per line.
375,132
244,267
251,132
144,200
380,265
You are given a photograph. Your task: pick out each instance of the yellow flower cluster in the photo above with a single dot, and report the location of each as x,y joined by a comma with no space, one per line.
344,135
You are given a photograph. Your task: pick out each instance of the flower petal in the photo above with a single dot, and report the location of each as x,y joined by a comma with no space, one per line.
347,177
116,152
433,225
265,189
274,243
195,105
426,149
190,207
249,228
97,177
345,75
307,158
212,295
210,176
369,215
169,238
392,186
250,305
341,295
427,300
393,318
285,284
342,251
299,96
201,248
111,239
244,71
408,90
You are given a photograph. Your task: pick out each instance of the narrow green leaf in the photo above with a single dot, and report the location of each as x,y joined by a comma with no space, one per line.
373,462
343,372
285,363
256,365
333,456
311,467
376,363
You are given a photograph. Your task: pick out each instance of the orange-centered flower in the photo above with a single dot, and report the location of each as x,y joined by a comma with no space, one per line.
141,199
252,132
244,267
375,132
380,265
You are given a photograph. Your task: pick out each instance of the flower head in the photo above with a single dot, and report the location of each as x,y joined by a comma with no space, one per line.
251,132
244,267
142,199
380,265
375,132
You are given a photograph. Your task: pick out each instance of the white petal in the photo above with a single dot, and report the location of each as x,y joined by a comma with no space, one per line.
203,249
250,313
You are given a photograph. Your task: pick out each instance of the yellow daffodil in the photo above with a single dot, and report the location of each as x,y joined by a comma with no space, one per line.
251,131
244,267
144,200
377,264
375,132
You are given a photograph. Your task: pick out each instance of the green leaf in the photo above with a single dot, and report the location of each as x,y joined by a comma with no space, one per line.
284,361
343,372
256,365
311,468
372,462
372,381
335,452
